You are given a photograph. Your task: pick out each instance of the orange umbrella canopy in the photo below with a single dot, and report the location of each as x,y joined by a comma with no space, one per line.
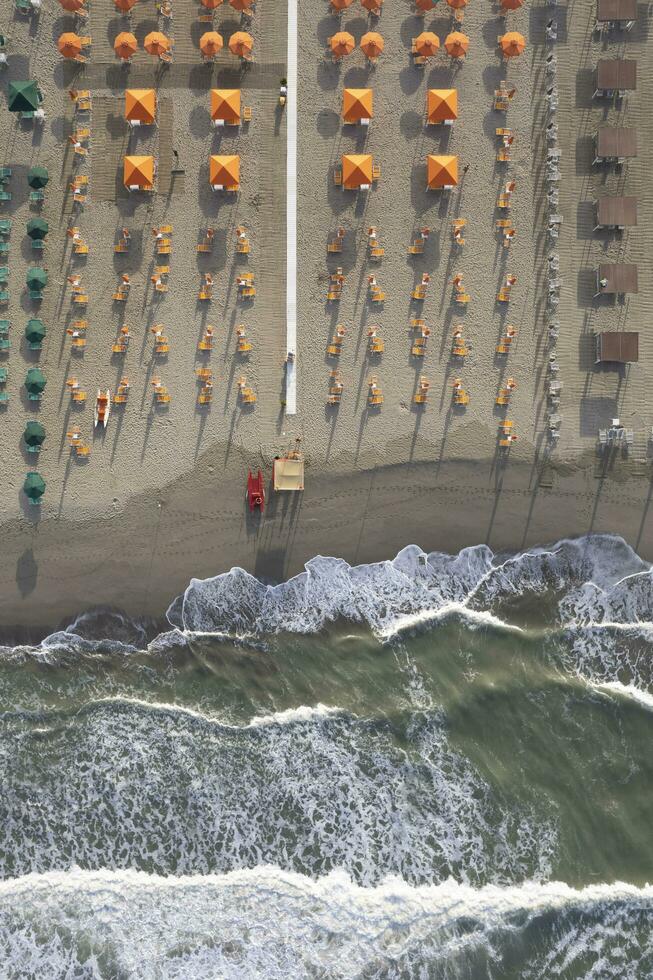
456,44
156,43
211,4
241,43
441,105
241,4
340,4
124,5
72,5
441,171
372,44
425,5
342,43
140,105
427,44
70,45
138,171
511,4
356,170
125,45
356,104
374,6
211,43
512,44
224,170
457,4
225,104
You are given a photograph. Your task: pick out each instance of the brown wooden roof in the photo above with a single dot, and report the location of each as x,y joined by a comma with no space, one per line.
622,278
621,346
619,73
616,10
616,141
612,211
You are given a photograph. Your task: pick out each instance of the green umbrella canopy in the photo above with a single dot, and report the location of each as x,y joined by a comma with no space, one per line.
36,277
34,434
37,228
34,486
35,330
37,177
35,380
23,96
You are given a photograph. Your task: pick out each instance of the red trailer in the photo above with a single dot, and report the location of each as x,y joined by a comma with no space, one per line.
255,491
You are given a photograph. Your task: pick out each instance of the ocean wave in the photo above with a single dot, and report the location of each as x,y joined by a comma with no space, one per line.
268,923
629,691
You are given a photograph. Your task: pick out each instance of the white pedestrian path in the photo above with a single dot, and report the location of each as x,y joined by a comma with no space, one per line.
291,214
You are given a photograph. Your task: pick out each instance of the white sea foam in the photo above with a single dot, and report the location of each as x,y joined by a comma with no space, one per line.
269,923
629,691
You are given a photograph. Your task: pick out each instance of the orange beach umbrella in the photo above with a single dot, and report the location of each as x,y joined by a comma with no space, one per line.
72,6
138,171
125,45
70,45
356,170
211,43
512,44
241,4
224,171
357,104
441,105
511,4
374,6
241,43
156,43
124,6
211,4
372,44
456,44
441,171
427,44
341,4
342,43
425,5
457,4
225,104
140,105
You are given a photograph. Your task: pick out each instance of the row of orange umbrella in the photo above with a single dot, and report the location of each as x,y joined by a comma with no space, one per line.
224,171
342,43
426,5
126,45
426,45
124,6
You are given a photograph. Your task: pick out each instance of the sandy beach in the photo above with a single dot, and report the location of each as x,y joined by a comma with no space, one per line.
162,497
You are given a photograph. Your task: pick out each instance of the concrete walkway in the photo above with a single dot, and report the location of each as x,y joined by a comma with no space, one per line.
291,213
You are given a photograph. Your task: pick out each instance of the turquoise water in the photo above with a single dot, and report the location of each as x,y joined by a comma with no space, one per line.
447,774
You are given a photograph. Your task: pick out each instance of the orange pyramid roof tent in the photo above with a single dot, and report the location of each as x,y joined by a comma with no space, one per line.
125,45
456,44
156,43
241,43
441,105
211,43
140,105
512,44
138,172
224,172
511,4
441,171
124,6
72,6
225,104
356,104
341,4
342,43
241,4
457,4
210,4
427,44
70,45
356,170
372,44
425,5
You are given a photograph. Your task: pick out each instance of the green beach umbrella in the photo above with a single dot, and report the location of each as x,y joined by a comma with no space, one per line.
35,331
23,96
37,177
37,228
34,434
34,486
35,381
36,278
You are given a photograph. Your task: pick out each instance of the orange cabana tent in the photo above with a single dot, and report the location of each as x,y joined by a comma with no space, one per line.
70,45
138,172
211,43
372,45
512,44
241,4
441,106
140,105
124,6
224,173
241,44
210,4
356,171
511,4
341,44
72,6
441,172
125,45
156,43
427,44
357,104
225,105
456,44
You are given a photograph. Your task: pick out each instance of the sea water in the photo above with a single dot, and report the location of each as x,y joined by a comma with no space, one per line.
429,767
